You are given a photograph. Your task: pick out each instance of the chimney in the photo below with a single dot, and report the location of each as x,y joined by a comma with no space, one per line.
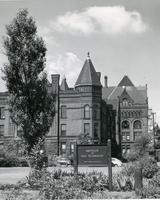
99,75
106,81
55,83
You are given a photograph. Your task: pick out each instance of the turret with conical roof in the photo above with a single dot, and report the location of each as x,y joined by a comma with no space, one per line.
89,90
88,75
64,85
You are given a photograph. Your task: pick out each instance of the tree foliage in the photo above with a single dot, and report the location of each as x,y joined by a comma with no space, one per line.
140,148
31,106
85,138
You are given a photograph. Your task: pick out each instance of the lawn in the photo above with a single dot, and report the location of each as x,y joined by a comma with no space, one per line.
11,175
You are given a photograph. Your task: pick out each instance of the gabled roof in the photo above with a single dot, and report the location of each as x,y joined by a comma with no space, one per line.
125,82
125,95
88,75
64,85
138,96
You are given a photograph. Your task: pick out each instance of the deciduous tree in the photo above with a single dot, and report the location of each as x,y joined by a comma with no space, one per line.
31,106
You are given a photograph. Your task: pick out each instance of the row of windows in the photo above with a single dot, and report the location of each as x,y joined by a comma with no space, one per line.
136,125
126,135
127,114
126,102
64,146
96,113
86,129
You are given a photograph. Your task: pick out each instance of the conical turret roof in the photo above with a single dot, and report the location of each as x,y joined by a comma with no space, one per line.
88,75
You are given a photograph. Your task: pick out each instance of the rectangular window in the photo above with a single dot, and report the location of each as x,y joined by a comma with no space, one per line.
11,129
2,113
127,136
1,130
63,112
123,136
137,134
86,128
123,149
95,130
72,148
63,148
63,129
128,149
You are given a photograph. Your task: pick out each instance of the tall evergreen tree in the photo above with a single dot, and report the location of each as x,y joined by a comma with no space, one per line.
31,106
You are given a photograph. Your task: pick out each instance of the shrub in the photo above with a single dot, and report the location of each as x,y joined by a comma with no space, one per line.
52,160
23,162
64,188
93,181
152,189
63,185
150,168
12,161
123,182
9,162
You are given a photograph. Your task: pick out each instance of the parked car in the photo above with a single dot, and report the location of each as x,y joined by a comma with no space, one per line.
63,161
116,162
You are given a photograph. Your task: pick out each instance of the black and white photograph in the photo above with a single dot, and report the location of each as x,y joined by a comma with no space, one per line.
79,99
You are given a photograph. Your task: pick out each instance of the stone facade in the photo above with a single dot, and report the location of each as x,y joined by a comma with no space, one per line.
81,110
119,113
131,104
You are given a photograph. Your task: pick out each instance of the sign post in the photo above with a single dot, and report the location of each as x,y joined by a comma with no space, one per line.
95,155
109,165
92,155
75,159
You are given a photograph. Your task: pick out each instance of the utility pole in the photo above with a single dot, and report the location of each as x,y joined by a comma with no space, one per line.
153,117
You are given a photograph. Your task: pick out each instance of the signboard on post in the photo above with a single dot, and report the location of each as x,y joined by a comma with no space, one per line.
92,155
95,156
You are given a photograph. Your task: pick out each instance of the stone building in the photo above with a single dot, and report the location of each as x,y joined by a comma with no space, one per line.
119,113
131,104
79,110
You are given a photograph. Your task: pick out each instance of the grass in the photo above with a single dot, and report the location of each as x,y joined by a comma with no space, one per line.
11,175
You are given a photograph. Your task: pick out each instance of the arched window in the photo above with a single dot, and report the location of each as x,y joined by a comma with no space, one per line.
125,102
125,131
137,124
86,112
125,124
137,129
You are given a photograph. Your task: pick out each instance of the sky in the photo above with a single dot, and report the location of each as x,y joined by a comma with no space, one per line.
122,36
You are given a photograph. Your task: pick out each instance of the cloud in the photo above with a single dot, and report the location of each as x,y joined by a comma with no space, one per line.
47,35
107,20
67,64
